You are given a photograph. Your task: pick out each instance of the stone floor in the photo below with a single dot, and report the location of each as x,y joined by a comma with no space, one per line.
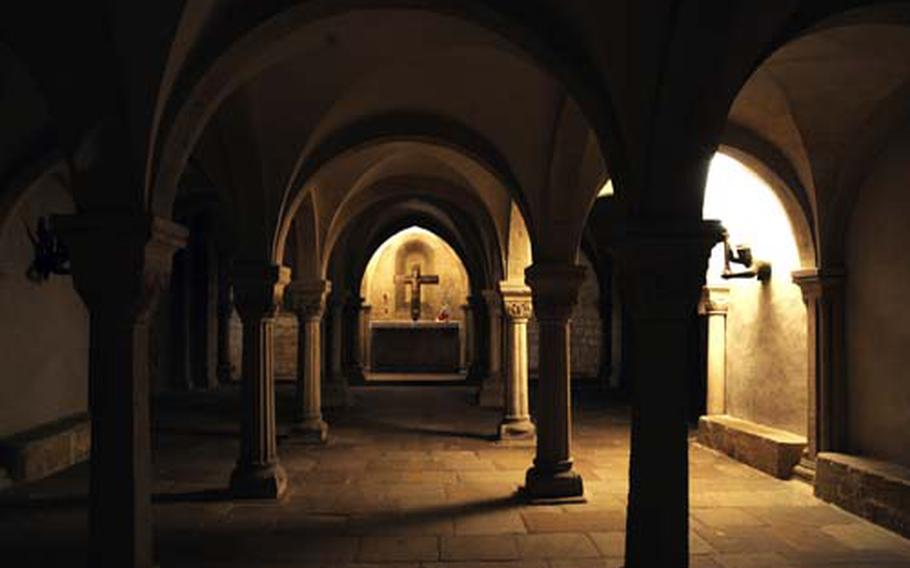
412,479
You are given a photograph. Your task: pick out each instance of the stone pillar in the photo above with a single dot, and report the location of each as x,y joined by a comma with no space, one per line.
823,293
662,271
365,339
516,423
120,265
555,293
715,301
204,304
225,309
491,389
181,308
335,391
352,354
258,289
307,300
464,355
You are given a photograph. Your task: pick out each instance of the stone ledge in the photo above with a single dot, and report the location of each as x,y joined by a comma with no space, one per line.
47,449
772,451
876,490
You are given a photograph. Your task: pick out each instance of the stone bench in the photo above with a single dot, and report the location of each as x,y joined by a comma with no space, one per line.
772,451
873,489
47,449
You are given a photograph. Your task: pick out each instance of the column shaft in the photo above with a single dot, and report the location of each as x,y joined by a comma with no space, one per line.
555,292
120,517
662,271
714,304
307,299
516,423
258,290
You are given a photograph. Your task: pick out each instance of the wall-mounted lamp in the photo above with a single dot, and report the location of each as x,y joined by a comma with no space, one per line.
742,255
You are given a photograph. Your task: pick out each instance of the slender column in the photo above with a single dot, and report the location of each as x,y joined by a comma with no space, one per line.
464,353
307,300
181,308
491,389
258,290
823,293
120,265
204,308
662,271
225,308
352,336
335,392
715,303
365,341
555,293
516,423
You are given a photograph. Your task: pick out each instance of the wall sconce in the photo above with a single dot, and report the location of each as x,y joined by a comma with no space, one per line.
50,254
742,255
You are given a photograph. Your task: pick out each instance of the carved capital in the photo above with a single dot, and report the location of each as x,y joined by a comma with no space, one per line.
258,289
120,263
307,298
817,284
516,299
662,267
554,287
715,300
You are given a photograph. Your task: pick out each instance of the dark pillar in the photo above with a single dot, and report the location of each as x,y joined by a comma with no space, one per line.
661,272
120,265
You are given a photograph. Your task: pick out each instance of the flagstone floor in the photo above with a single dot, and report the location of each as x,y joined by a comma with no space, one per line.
411,479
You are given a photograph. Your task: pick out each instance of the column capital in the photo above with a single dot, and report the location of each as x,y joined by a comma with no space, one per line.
258,288
120,263
554,287
818,282
715,300
307,298
662,266
516,299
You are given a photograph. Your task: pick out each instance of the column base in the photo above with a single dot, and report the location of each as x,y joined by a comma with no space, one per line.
335,394
311,431
491,394
258,481
517,430
553,486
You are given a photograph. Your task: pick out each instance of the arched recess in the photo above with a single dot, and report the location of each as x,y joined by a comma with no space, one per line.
250,48
764,343
45,331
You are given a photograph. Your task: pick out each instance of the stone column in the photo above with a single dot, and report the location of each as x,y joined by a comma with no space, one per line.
181,324
491,389
204,304
365,340
464,354
662,271
823,293
225,309
351,336
555,293
258,289
120,265
715,302
335,392
307,300
516,423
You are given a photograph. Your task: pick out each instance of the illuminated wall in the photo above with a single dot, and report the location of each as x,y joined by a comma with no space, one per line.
766,363
878,309
397,256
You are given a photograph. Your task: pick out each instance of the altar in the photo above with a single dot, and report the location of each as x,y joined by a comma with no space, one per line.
415,347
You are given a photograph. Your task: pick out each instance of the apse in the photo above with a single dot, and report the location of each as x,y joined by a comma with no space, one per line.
416,290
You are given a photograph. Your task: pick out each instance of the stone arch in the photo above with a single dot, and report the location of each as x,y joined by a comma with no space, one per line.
268,40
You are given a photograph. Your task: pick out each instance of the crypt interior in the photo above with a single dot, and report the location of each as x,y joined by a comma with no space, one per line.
426,284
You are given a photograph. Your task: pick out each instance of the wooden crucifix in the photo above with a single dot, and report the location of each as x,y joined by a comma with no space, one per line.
415,281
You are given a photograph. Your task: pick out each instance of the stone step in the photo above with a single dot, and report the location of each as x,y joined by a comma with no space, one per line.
805,470
773,451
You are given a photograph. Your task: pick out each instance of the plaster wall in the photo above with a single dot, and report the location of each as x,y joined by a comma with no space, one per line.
877,310
44,326
766,358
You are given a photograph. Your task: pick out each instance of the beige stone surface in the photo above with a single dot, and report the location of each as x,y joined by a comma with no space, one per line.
388,491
